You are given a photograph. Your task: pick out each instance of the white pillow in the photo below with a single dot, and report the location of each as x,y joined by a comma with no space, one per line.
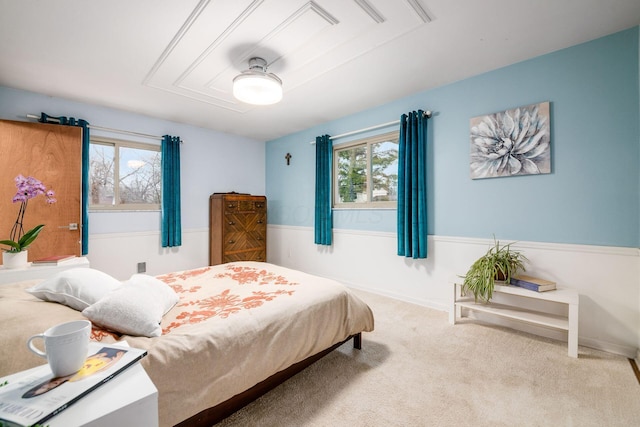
160,290
77,288
136,308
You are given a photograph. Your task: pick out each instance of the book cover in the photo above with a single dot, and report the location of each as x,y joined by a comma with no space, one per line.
54,259
535,280
38,396
533,283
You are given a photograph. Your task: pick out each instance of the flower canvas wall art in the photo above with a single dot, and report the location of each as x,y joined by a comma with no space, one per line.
512,142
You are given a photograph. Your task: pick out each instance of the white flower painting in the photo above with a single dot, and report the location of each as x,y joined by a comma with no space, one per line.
512,142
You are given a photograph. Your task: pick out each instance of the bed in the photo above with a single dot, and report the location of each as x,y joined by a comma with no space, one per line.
237,330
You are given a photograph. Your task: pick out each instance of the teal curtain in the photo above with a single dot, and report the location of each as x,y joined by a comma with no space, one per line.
412,185
171,213
323,215
70,121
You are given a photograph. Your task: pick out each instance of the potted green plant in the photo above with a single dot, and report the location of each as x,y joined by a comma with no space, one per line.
500,262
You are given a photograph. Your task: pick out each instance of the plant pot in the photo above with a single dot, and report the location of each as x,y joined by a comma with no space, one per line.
15,259
500,276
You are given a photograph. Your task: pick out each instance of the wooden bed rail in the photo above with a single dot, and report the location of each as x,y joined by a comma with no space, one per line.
211,416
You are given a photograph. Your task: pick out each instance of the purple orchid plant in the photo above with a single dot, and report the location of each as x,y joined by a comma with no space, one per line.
28,188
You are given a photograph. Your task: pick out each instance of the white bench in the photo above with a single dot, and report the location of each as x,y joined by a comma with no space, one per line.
566,296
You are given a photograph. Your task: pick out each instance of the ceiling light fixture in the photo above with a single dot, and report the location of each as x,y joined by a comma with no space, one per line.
256,86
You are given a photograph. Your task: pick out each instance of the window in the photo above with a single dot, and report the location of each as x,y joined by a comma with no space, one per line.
366,173
134,166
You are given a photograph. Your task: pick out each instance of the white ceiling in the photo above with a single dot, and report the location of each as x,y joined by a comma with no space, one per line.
175,59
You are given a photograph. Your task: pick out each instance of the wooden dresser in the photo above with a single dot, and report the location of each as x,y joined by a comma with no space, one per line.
237,228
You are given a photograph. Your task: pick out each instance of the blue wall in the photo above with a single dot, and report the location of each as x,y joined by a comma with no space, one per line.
592,195
210,161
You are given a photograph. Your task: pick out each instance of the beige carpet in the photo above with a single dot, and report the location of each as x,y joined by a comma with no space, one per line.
417,370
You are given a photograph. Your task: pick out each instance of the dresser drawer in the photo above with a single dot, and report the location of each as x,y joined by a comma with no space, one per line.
244,222
233,223
240,240
252,255
244,206
256,238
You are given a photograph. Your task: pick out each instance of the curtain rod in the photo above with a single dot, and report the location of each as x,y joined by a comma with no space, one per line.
125,132
382,125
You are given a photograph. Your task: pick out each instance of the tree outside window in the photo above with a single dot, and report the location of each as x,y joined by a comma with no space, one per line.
136,167
366,173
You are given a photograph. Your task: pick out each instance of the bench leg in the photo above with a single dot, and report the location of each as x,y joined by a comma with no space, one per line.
454,311
573,330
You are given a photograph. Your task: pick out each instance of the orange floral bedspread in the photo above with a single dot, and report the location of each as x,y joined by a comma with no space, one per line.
235,325
198,306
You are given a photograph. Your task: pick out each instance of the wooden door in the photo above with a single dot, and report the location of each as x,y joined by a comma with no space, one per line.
52,154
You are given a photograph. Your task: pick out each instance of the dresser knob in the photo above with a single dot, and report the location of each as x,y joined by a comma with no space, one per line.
231,241
231,223
259,221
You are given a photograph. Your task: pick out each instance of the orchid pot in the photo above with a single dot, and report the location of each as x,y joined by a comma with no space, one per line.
13,260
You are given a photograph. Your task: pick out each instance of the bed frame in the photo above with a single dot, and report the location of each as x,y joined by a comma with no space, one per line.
213,415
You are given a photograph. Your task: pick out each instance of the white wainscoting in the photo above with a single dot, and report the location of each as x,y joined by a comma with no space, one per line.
118,254
607,278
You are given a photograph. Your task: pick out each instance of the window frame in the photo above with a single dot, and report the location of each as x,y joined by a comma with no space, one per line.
368,143
117,144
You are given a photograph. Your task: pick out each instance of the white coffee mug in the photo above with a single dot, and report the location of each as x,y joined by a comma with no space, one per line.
66,346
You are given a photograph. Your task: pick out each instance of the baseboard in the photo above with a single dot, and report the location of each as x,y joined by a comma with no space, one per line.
608,347
628,352
399,297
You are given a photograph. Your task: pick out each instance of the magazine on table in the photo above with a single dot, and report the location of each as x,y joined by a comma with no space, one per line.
34,396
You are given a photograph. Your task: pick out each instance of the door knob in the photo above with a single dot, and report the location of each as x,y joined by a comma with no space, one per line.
71,226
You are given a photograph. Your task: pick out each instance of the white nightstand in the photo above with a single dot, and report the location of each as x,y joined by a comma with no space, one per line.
128,400
11,275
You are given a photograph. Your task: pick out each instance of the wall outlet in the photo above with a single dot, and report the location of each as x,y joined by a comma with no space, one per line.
142,267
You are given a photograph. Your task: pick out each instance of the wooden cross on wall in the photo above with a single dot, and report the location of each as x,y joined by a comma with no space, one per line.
288,157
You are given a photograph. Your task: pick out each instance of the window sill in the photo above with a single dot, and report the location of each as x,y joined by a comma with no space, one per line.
364,208
122,210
